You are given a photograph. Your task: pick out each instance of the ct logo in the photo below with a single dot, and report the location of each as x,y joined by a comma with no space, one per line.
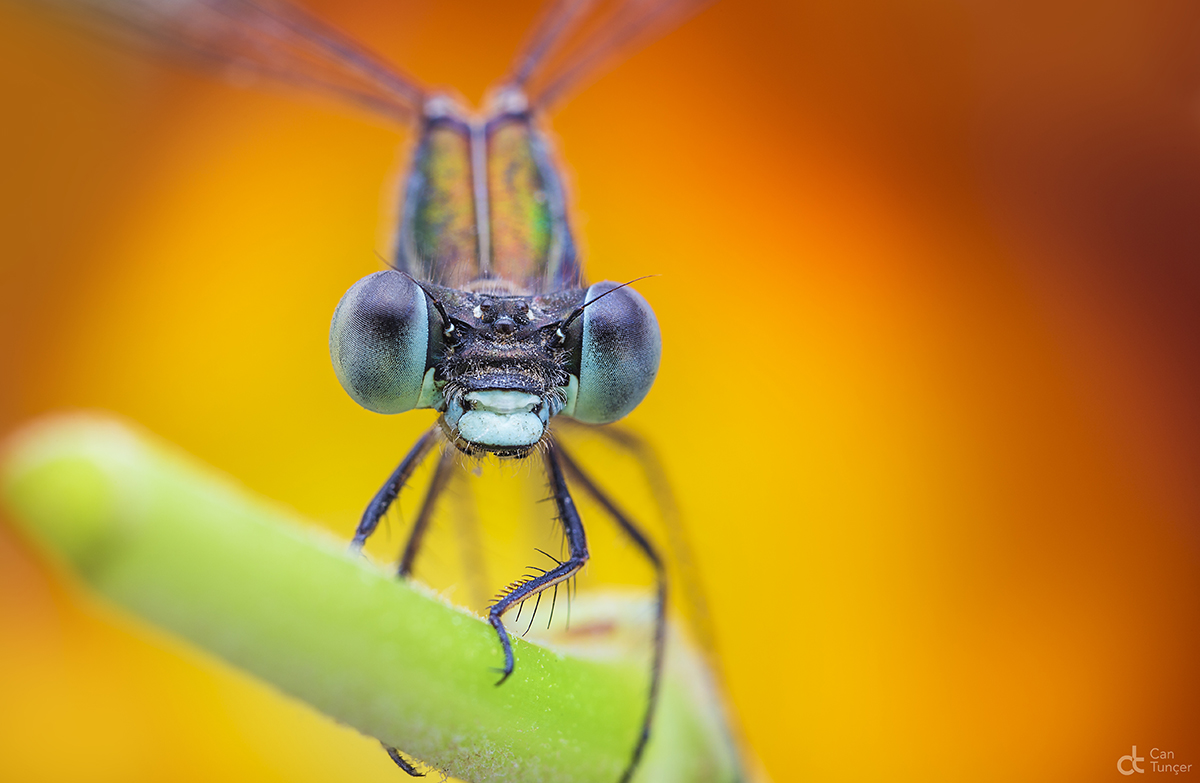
1133,759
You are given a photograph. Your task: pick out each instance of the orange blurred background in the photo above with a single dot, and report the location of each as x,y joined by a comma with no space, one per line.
930,296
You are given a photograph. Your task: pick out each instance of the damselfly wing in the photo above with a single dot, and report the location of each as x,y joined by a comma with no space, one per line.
484,315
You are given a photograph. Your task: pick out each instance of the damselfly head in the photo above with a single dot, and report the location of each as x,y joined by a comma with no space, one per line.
497,365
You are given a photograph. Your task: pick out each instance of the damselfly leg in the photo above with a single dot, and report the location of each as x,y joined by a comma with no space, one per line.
387,493
559,465
577,555
379,506
517,591
395,756
416,537
630,529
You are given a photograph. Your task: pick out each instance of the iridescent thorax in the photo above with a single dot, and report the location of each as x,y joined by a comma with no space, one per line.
484,205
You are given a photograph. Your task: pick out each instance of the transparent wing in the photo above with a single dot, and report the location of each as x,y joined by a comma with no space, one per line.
260,38
576,40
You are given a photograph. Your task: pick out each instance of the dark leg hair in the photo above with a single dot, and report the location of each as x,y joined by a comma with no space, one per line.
660,618
400,762
387,493
416,536
577,555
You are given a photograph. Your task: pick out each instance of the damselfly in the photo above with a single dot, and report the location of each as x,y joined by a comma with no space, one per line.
483,315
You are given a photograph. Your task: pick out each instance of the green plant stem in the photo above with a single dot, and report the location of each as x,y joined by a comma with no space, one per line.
189,551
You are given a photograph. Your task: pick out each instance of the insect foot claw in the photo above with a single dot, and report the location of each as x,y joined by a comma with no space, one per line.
400,762
504,674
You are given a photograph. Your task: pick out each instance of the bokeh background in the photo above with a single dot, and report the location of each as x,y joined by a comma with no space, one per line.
930,291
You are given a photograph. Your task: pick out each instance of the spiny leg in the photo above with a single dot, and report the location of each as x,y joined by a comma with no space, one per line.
682,553
416,536
577,553
387,493
553,599
660,619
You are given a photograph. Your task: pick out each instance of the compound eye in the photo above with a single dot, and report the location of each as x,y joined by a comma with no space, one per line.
619,354
380,342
